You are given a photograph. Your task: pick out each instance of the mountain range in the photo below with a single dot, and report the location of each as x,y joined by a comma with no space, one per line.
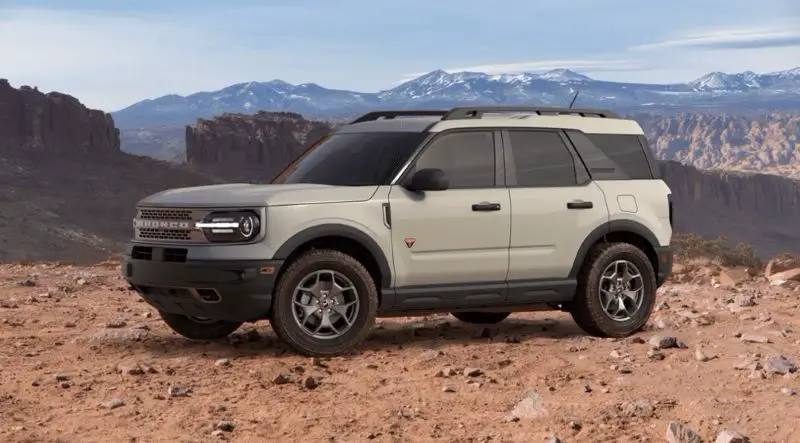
741,92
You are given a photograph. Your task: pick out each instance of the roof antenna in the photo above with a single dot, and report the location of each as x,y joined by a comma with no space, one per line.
574,98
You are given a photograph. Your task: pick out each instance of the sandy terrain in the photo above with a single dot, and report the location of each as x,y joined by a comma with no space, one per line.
83,360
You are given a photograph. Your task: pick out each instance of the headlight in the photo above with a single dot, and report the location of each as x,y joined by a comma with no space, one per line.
233,226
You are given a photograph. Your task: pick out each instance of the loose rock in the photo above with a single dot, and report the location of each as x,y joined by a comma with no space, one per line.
754,338
472,372
530,407
781,364
663,341
310,382
679,433
114,403
731,436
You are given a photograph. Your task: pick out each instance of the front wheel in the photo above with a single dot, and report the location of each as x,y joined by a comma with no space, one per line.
325,303
481,318
616,291
199,328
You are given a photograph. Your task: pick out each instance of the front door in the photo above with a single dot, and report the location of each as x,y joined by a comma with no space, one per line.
450,248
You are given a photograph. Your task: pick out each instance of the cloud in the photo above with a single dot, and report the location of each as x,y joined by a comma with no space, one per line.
583,66
110,60
752,38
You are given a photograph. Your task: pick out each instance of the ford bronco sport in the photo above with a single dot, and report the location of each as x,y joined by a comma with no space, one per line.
478,211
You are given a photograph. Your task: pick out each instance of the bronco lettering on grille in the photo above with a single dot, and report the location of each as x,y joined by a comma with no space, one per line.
162,224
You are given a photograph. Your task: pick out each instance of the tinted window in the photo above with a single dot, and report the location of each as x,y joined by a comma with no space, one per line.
626,152
542,159
467,158
353,159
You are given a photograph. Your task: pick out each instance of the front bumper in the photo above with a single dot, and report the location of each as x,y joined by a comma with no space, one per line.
665,256
236,290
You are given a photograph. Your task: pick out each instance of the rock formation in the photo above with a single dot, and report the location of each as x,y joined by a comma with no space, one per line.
760,209
250,147
66,190
767,143
33,121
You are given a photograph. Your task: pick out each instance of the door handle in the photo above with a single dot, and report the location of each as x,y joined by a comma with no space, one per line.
486,206
580,205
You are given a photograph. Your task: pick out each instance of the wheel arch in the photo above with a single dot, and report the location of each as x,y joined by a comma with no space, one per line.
346,239
627,231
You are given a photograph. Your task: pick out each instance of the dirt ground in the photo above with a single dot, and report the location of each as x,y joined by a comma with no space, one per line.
82,359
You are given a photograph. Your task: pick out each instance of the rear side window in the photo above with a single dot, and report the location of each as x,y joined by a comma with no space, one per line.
541,159
626,152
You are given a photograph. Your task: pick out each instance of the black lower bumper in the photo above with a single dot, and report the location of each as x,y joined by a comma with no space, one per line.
665,256
224,290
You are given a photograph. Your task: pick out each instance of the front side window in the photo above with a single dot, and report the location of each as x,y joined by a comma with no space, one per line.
467,158
353,159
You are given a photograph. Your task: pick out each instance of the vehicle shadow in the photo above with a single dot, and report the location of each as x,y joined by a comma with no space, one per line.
388,334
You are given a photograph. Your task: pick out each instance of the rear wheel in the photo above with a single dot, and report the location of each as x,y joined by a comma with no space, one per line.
481,318
616,291
199,328
325,303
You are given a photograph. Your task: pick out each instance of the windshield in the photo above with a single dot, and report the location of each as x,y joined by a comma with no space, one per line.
353,159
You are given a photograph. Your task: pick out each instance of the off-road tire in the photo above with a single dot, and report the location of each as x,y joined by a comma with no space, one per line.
282,317
193,330
586,309
481,318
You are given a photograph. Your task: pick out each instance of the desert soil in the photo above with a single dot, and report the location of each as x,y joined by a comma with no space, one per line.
82,359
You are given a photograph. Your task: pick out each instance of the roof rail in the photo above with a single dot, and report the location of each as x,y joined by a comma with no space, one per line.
375,115
478,111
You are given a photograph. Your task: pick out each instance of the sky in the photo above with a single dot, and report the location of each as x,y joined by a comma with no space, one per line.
113,53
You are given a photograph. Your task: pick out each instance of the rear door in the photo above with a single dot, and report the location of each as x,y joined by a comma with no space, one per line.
555,206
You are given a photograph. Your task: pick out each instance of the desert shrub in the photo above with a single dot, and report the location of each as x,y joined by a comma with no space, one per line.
720,250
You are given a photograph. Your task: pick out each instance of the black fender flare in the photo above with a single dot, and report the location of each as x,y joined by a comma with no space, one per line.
338,230
601,231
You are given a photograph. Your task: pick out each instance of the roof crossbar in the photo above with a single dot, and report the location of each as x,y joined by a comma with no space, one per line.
470,112
375,115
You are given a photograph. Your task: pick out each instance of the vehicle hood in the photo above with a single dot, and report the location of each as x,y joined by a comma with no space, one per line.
245,194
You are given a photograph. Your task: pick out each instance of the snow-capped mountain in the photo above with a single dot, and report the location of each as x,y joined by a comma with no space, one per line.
747,81
775,90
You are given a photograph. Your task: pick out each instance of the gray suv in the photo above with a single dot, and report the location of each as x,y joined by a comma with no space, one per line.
478,211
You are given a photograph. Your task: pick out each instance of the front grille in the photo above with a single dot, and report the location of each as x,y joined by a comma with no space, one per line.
164,234
178,225
165,214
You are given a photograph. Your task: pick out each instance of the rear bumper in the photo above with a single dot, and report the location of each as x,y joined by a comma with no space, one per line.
236,290
665,256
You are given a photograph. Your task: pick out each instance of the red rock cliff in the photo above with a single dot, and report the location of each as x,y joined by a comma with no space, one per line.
250,147
33,121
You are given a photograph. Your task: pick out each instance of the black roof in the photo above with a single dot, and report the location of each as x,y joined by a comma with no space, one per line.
405,124
418,120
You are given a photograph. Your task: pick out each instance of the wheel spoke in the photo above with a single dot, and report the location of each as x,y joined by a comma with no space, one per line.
622,308
606,299
308,309
633,296
342,310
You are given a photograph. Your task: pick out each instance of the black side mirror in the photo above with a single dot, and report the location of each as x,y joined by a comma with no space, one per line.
430,179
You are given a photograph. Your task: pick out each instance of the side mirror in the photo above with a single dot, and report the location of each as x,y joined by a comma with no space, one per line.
430,179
